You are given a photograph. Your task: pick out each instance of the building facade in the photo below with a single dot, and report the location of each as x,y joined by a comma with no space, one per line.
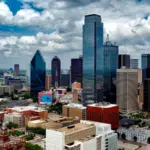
139,135
110,69
124,61
134,63
92,59
56,71
17,118
16,70
37,73
47,82
146,95
127,85
105,113
145,65
65,79
76,70
5,89
85,135
16,83
74,110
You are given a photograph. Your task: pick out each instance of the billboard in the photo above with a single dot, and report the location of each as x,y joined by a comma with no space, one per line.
45,97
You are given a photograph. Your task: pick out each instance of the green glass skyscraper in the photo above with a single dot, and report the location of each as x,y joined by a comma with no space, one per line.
92,59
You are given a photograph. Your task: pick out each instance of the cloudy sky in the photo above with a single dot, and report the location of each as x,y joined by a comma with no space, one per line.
55,28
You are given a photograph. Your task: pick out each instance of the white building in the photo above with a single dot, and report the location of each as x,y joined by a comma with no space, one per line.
139,135
6,89
85,135
127,95
16,118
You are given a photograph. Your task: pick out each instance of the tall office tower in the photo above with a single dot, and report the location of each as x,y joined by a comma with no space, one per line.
37,73
134,63
110,69
124,61
47,83
145,60
146,95
56,71
16,70
65,79
127,95
76,70
92,59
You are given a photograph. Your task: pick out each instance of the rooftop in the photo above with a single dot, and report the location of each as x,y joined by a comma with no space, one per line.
73,105
103,105
27,108
75,128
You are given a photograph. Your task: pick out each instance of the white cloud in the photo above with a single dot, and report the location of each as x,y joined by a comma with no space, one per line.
123,20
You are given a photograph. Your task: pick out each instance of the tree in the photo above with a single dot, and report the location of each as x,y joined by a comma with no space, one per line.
37,130
68,89
16,132
30,136
27,96
30,146
56,107
11,125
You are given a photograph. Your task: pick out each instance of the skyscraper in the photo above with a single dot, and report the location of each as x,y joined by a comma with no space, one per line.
145,65
110,69
76,70
134,63
124,61
146,95
92,59
37,73
56,71
127,95
16,70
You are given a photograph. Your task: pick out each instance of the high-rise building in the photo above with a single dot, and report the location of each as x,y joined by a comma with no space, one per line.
16,70
145,64
92,59
134,63
127,85
76,70
56,71
37,73
110,69
124,61
146,95
47,83
65,78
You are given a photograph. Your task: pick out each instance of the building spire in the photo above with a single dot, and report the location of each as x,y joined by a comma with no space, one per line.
107,38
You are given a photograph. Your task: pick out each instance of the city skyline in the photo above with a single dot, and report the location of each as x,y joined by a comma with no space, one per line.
21,37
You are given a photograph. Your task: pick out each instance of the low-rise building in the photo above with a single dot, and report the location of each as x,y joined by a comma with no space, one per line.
29,111
74,110
17,118
139,135
10,142
53,123
5,89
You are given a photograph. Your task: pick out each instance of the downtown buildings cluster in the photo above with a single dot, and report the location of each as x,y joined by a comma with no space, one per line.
105,86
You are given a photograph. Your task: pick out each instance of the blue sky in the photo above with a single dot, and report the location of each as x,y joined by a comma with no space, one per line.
55,28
